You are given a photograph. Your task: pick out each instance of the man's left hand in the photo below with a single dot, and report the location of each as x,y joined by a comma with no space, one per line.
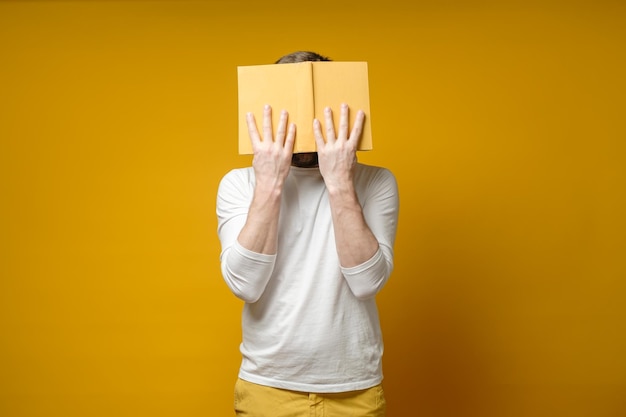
337,154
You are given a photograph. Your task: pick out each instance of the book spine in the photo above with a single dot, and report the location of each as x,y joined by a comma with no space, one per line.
304,113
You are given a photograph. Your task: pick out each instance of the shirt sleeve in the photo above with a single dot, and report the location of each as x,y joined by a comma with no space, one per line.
245,272
378,194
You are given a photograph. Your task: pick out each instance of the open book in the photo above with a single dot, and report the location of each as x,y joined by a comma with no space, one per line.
304,89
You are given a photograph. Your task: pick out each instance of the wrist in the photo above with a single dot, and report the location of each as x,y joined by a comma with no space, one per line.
340,188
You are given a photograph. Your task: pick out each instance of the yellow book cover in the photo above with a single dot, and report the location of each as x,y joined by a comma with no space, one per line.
304,89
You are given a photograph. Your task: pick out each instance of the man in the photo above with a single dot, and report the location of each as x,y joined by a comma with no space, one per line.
307,243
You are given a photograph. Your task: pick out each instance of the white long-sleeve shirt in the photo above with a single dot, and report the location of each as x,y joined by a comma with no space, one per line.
308,323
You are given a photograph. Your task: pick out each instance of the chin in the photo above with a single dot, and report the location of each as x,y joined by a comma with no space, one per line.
304,160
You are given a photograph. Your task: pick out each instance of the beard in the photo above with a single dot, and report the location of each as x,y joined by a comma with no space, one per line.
304,160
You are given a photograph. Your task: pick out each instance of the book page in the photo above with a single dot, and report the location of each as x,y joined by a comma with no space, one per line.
343,82
282,86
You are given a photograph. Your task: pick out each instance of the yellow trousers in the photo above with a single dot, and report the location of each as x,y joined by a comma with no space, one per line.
253,400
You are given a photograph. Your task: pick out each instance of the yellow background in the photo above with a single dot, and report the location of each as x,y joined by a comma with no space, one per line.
504,125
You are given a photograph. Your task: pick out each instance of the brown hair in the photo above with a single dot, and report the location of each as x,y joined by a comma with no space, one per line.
301,56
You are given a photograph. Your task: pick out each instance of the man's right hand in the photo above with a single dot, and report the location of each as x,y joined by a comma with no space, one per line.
272,153
271,163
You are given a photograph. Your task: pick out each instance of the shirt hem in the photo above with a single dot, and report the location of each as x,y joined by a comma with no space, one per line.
317,388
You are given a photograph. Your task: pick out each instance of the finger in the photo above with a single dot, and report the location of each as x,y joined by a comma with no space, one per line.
267,123
282,127
291,137
344,123
317,132
253,132
357,128
330,127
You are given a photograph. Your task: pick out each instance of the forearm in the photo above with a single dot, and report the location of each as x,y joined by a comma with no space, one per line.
370,238
259,233
354,240
246,266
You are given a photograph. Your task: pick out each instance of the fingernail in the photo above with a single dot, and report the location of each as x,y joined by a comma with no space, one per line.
266,107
